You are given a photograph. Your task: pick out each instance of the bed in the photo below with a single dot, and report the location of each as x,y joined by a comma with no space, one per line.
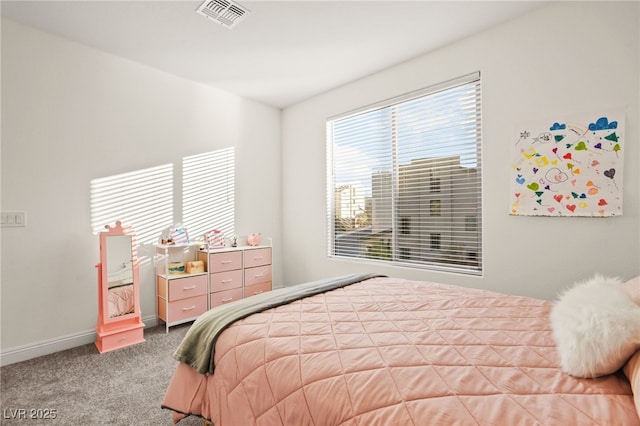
366,349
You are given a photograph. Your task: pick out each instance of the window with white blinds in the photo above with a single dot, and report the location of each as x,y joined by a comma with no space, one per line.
404,179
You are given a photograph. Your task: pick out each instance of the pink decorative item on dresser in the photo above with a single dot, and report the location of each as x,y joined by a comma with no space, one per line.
215,239
254,239
119,316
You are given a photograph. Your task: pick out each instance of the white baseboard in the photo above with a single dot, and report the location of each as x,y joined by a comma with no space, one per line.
46,347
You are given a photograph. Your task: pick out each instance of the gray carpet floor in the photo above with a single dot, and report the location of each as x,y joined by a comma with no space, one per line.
84,387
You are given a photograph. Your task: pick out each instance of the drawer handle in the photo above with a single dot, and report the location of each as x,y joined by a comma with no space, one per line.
189,309
258,292
226,281
227,300
189,288
258,257
225,262
258,275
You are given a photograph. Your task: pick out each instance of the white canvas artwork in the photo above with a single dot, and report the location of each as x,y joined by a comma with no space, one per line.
569,167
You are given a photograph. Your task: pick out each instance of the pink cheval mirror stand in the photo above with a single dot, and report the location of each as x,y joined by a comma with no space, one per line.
119,317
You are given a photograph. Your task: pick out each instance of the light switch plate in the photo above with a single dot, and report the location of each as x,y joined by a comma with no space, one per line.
13,219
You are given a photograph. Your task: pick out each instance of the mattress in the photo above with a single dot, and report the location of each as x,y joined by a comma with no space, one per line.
394,351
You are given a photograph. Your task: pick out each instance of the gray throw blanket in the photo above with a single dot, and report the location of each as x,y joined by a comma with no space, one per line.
197,347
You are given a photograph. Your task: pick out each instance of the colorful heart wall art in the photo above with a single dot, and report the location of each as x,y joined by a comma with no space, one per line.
570,167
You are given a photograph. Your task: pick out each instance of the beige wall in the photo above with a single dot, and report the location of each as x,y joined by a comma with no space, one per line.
567,58
71,114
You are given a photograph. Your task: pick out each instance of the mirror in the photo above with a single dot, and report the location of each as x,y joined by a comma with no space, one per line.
120,275
119,316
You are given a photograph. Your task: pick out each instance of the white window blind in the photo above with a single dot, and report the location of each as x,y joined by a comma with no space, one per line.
404,179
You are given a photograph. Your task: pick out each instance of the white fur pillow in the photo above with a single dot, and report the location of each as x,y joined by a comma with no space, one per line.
633,288
596,326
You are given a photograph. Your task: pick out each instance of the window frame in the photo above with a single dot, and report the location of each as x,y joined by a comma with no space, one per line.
433,186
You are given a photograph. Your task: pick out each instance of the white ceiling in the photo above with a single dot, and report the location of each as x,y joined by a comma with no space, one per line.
283,52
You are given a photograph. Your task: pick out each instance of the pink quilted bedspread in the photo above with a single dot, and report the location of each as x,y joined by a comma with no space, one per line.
397,352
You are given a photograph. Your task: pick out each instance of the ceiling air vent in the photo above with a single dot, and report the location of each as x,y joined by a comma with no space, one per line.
225,12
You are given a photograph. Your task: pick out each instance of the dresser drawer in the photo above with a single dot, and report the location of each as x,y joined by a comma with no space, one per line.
181,288
225,296
252,290
257,257
226,280
260,274
182,309
122,339
224,261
